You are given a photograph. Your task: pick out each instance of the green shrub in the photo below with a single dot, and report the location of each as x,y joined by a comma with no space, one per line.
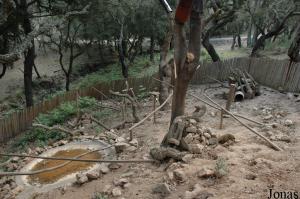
38,137
66,111
58,115
221,167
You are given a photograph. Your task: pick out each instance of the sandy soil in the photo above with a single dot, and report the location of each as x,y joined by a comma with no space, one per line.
249,156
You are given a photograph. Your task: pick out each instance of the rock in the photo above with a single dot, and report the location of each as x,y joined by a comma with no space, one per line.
285,138
116,192
268,117
275,125
162,188
250,177
180,175
106,189
81,178
17,190
206,173
121,146
93,175
131,149
15,159
121,182
213,114
134,142
196,148
128,174
120,139
114,166
189,138
290,96
103,169
212,141
288,122
193,121
207,135
187,158
39,150
191,129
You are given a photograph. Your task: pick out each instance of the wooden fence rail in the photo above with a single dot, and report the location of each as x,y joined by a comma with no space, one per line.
20,121
268,72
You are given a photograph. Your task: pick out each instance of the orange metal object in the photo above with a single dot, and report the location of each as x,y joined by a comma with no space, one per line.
183,10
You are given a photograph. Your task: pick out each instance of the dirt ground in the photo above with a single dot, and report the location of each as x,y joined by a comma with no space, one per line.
253,167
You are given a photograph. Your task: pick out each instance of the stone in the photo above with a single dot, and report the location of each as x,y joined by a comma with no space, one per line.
121,146
93,175
17,190
288,123
285,138
114,166
187,158
15,159
121,182
191,129
120,139
134,142
207,135
213,114
189,138
39,150
212,141
193,121
162,188
128,174
180,175
275,125
206,173
196,148
103,169
116,192
290,96
250,177
131,149
268,117
81,178
106,189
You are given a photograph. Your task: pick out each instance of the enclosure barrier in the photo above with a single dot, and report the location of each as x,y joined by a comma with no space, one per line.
273,73
20,121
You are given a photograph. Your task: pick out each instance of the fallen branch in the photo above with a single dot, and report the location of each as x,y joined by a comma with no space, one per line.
248,127
56,128
100,123
133,103
207,103
150,114
222,84
101,93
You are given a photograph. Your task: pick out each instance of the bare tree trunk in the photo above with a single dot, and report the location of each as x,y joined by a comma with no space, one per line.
186,57
36,71
29,57
249,35
295,47
210,49
233,42
151,50
239,40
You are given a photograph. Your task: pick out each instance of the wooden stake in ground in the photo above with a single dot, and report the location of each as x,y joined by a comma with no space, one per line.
242,123
230,99
154,96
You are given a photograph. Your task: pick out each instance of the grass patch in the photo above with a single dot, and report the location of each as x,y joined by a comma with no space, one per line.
65,111
140,68
37,137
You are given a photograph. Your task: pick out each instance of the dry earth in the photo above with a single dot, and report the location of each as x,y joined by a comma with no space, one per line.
253,167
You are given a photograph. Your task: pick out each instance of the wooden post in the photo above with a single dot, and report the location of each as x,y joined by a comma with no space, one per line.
230,99
154,95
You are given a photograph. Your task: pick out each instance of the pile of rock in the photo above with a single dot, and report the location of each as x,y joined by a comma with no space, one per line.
82,178
122,145
8,188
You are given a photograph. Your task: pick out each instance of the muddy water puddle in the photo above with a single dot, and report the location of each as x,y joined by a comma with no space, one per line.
73,167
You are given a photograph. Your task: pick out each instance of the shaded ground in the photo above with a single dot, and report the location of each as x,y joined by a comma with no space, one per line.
249,156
